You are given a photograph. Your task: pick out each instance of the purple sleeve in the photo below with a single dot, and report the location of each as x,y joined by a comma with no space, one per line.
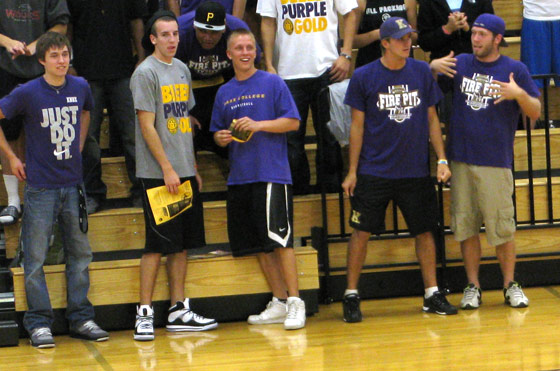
525,81
12,104
354,95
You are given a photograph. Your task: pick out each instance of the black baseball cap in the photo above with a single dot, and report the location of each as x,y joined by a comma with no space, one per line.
210,15
146,43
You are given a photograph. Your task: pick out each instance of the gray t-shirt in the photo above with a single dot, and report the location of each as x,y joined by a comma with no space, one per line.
26,21
166,90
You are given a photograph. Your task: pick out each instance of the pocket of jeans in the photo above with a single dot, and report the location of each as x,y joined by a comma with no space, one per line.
34,190
457,219
505,225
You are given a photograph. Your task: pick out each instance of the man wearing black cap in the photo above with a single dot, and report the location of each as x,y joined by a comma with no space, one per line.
161,87
489,92
202,47
393,118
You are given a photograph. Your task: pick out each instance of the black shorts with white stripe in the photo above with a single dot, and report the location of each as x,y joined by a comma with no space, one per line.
260,217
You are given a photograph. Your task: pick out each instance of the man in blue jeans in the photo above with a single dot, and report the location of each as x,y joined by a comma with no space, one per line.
55,109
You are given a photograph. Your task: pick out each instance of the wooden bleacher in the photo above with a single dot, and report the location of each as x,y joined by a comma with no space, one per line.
117,282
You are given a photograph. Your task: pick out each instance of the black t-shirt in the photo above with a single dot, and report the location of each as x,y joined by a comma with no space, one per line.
101,38
375,13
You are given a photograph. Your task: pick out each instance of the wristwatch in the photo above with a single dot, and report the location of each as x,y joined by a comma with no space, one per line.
347,56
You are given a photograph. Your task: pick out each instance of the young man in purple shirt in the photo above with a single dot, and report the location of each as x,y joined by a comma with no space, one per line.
252,114
55,109
393,118
490,91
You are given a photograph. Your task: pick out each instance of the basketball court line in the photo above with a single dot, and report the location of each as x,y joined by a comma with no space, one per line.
98,357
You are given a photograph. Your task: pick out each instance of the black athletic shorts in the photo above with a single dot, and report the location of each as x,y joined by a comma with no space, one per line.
260,217
415,197
184,232
12,128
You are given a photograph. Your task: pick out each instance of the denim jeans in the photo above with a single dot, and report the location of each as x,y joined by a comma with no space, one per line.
117,97
306,93
42,207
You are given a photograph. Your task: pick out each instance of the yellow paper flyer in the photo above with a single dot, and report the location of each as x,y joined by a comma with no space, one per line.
166,206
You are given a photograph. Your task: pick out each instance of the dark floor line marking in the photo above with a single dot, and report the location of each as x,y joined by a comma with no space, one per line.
98,357
553,291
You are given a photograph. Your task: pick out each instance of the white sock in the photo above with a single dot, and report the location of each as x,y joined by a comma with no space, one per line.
430,291
350,292
12,188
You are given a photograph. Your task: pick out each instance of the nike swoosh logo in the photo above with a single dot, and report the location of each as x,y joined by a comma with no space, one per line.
282,229
56,153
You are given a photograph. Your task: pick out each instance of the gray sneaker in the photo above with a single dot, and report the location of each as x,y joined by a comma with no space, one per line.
89,330
41,337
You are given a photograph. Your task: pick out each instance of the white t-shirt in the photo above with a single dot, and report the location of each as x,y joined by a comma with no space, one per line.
306,34
541,10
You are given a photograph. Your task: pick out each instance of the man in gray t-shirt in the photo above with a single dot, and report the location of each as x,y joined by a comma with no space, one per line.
161,88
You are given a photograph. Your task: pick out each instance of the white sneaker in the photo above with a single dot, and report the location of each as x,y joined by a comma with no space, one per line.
514,296
472,297
295,318
144,327
275,312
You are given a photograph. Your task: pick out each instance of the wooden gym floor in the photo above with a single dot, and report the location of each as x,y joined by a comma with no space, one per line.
395,335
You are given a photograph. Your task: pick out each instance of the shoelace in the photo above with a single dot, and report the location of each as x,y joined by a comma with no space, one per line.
516,292
90,325
352,303
43,332
470,293
292,311
144,322
195,316
439,299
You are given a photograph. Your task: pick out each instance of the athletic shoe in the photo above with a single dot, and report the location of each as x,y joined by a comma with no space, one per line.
182,318
275,312
144,327
437,303
472,297
89,330
351,308
295,318
41,337
514,296
9,215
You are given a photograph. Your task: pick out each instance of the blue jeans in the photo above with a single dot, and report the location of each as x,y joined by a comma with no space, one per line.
117,97
42,207
306,94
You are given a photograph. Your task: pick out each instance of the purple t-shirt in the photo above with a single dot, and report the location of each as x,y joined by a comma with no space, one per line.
52,129
191,5
264,158
203,63
395,105
481,132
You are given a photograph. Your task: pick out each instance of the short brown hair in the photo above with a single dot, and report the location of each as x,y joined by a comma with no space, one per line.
240,32
51,39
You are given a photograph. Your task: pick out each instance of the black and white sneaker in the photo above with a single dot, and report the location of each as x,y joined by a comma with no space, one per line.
437,303
351,308
182,318
144,327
